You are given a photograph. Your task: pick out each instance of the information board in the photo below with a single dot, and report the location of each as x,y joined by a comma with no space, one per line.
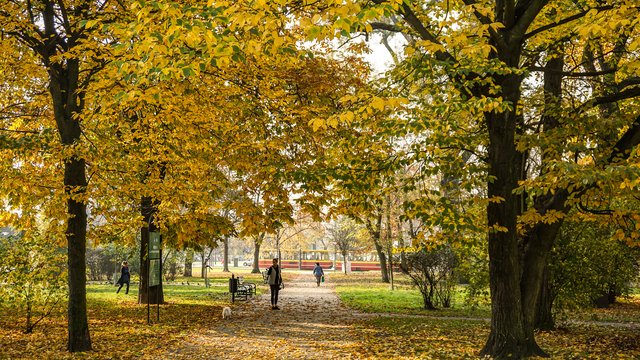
154,245
154,272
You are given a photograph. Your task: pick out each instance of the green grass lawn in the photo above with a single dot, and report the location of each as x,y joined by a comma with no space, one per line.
367,293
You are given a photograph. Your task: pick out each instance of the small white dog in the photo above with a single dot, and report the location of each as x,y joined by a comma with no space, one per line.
226,312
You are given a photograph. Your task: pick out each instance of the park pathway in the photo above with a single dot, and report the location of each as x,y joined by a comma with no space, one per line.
313,324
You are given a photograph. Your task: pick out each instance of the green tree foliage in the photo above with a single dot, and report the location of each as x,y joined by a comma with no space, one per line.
343,234
474,271
588,266
105,260
172,264
32,276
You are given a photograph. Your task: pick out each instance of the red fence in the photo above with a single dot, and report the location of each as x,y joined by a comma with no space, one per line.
326,264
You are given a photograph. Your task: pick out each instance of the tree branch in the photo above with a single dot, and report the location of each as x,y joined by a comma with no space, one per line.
384,26
594,211
628,82
65,17
483,19
415,23
574,74
497,37
32,18
565,21
21,131
529,14
385,42
630,139
622,95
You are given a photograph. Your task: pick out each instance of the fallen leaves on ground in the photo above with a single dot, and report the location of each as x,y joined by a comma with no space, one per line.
118,329
312,324
424,338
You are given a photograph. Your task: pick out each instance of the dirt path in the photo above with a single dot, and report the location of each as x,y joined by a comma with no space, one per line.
312,324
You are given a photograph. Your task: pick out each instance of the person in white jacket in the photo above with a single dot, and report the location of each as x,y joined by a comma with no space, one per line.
275,281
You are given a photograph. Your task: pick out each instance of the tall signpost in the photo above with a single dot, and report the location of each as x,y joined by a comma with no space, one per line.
155,270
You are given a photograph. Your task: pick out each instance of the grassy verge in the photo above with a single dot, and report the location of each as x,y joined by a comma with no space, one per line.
365,292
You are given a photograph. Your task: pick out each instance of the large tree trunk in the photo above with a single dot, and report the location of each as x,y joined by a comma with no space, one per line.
516,265
376,233
63,86
508,337
541,237
537,248
188,263
52,44
256,259
225,260
344,262
544,315
383,261
156,295
203,262
257,242
79,339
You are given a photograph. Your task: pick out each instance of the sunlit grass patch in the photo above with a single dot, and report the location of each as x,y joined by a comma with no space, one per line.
367,293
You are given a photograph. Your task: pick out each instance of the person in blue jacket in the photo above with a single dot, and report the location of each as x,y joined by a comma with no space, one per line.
125,277
318,273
